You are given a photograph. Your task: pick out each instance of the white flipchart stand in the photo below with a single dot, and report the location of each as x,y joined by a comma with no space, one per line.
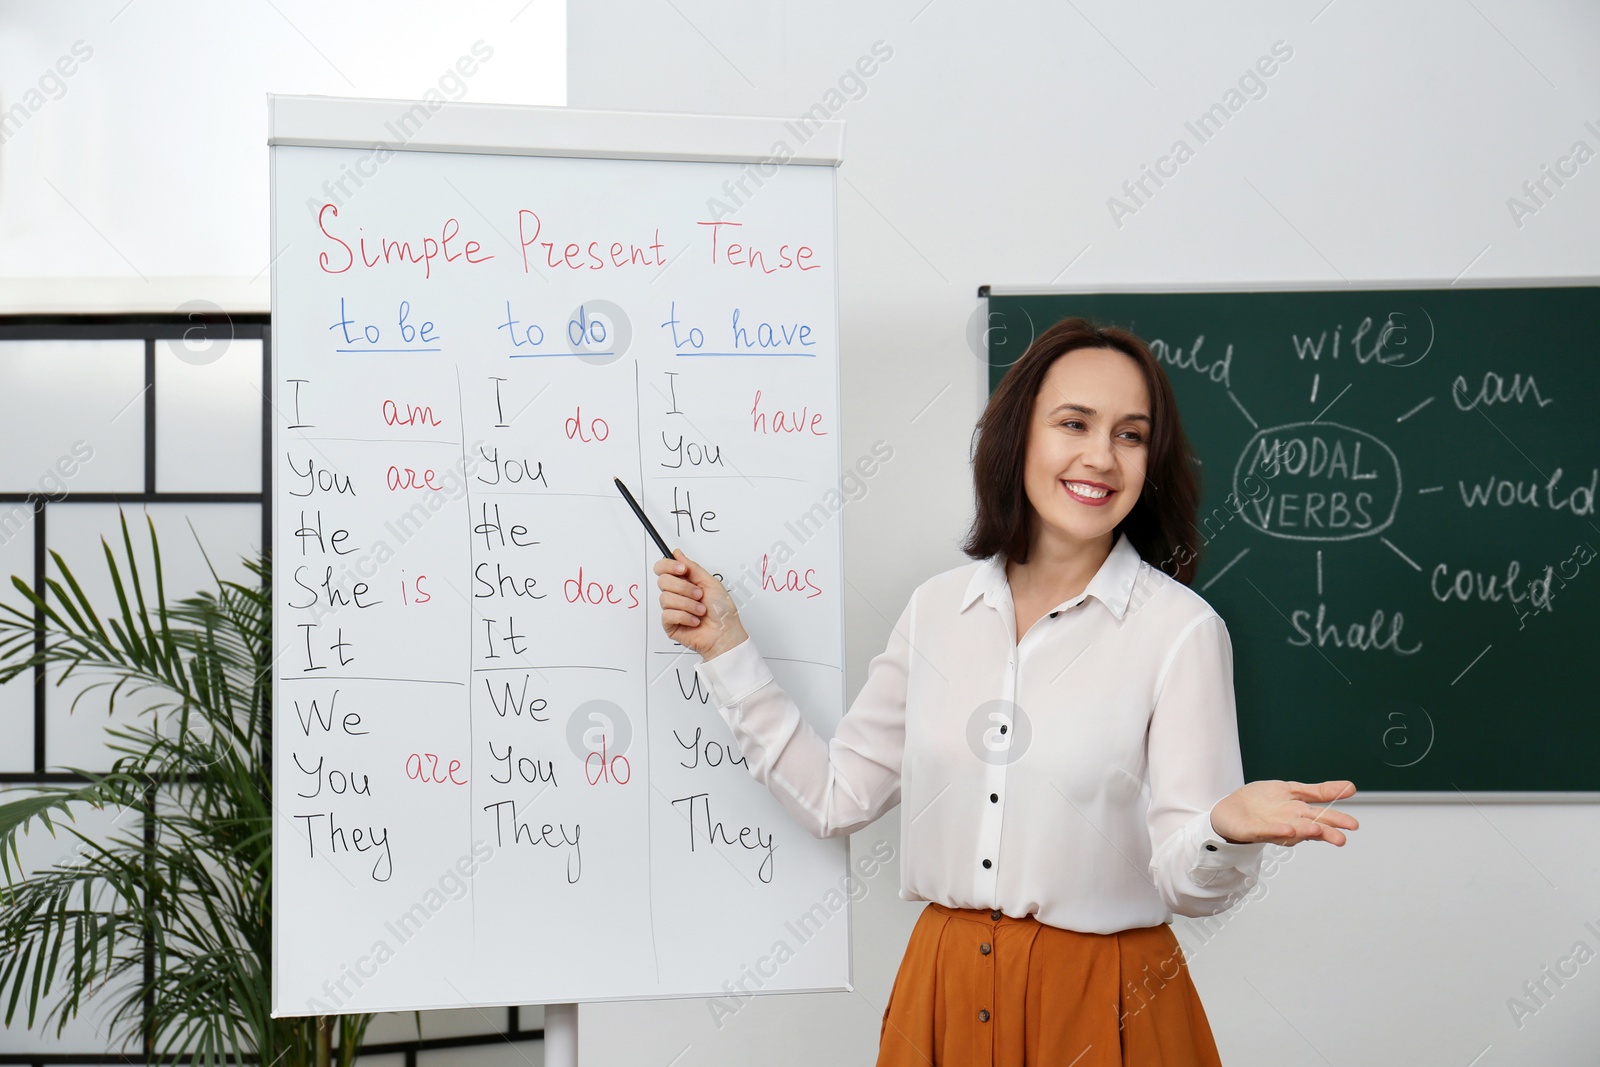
455,288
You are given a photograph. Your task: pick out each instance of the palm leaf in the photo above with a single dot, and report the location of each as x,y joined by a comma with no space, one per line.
195,895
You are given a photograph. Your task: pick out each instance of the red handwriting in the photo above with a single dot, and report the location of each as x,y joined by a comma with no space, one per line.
785,421
588,432
394,251
792,582
413,415
606,770
406,478
424,767
577,591
585,255
411,591
744,255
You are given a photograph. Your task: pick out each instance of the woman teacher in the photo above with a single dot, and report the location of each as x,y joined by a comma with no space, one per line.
1058,719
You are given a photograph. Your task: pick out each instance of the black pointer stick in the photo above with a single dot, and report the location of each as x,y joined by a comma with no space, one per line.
648,525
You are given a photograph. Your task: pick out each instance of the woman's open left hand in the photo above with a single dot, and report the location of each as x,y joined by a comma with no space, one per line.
1284,813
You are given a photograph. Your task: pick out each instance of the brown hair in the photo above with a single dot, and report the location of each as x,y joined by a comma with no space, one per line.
1161,520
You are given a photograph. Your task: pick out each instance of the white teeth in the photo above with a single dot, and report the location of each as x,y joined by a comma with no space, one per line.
1086,490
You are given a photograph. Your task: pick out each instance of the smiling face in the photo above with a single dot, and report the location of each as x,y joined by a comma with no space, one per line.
1088,447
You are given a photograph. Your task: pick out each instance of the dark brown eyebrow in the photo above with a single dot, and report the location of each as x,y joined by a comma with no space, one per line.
1091,411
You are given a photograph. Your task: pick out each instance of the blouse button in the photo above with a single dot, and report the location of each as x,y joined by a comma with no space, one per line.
1002,728
983,1015
984,948
994,798
1211,848
987,864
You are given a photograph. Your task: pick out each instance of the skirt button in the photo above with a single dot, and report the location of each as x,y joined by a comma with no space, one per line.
984,948
983,1015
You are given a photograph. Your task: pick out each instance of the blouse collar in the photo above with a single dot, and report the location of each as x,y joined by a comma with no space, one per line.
1112,584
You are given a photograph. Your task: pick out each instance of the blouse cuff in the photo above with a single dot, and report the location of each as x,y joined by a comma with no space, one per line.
735,674
1216,852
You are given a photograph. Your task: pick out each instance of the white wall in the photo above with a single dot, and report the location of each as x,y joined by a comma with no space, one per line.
984,151
133,135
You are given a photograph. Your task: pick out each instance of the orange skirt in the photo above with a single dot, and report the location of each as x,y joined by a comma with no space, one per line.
981,988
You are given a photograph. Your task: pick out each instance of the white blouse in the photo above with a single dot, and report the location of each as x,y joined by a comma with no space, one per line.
1070,777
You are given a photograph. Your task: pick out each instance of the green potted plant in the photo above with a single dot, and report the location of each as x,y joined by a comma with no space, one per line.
168,917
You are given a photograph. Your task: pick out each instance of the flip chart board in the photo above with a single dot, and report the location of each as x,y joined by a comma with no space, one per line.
1398,522
497,780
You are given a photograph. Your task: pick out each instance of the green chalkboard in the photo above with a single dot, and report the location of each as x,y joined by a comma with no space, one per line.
1431,455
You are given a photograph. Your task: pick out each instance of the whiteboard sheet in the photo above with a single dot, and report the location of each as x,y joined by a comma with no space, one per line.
497,780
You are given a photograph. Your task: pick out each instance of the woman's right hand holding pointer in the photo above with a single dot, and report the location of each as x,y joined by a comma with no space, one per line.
696,611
